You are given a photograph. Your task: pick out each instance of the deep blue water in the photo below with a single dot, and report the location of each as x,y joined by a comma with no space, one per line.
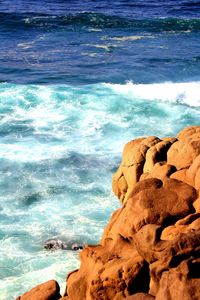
72,42
78,79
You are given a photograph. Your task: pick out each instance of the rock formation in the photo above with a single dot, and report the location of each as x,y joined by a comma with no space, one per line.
46,291
150,249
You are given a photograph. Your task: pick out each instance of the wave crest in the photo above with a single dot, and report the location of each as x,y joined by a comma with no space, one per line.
98,21
187,93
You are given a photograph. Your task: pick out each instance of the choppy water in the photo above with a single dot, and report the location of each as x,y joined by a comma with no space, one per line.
78,80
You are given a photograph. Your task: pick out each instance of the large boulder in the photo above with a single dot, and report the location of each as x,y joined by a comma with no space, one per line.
184,151
49,290
152,157
110,271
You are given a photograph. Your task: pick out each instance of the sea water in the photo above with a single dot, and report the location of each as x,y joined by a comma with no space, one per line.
78,80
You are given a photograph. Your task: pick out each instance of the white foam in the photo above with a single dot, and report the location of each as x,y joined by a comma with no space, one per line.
53,265
59,116
127,38
108,47
35,152
94,30
183,93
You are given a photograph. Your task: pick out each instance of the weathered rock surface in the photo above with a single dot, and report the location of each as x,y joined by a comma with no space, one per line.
150,249
49,290
181,282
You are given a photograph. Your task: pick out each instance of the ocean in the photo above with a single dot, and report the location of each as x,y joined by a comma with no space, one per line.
79,79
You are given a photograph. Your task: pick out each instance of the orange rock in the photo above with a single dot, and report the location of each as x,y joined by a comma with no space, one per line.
183,152
186,225
49,290
182,282
181,175
140,296
155,232
134,152
159,205
119,184
189,132
108,271
155,154
196,205
160,170
169,254
147,240
193,173
190,175
131,168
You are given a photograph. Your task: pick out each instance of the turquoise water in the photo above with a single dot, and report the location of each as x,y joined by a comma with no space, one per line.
78,79
60,145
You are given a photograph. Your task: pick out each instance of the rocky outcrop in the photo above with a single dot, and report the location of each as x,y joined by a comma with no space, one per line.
177,158
150,249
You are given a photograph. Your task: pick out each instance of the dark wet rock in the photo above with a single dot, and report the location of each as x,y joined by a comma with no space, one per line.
77,247
55,244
